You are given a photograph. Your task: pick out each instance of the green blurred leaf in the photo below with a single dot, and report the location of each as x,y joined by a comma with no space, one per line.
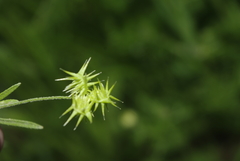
8,101
9,91
20,123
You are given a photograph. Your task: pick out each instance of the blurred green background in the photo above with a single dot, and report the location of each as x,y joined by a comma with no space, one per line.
177,67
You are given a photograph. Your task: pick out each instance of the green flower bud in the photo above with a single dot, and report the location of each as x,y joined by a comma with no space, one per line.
102,95
81,105
86,94
80,81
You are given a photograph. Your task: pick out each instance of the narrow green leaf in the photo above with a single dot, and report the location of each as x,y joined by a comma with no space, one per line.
8,101
9,91
20,123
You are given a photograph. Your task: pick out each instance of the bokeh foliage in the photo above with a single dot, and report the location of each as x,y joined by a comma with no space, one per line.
177,69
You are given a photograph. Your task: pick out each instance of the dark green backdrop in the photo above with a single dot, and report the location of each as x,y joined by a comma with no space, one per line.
177,67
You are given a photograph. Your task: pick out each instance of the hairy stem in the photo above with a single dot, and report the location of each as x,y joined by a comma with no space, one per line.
34,100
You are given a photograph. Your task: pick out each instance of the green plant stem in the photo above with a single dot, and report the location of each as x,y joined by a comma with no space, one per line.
34,100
